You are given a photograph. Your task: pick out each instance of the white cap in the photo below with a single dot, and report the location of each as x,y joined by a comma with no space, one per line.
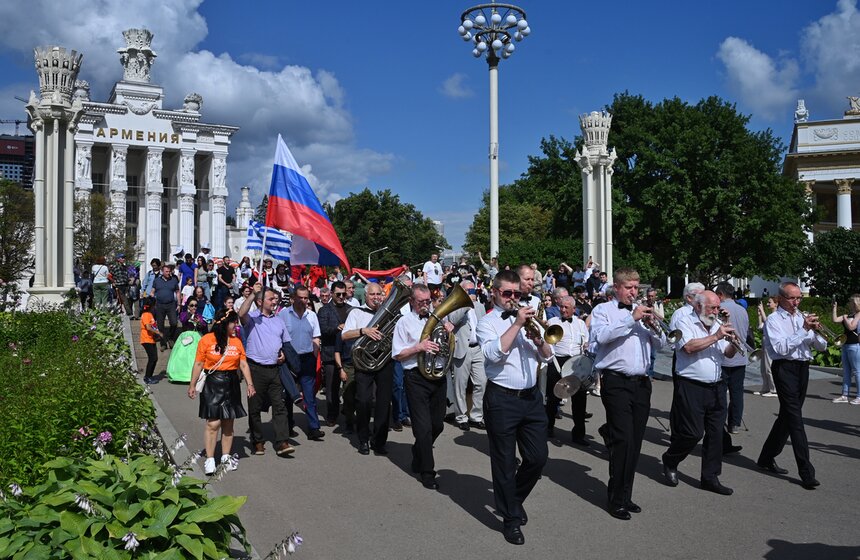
178,250
204,245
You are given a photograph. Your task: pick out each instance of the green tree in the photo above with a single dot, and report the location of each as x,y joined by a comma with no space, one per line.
98,232
17,230
367,221
832,260
262,208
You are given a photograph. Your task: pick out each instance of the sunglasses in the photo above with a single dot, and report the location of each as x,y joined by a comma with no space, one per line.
339,294
510,293
422,301
192,307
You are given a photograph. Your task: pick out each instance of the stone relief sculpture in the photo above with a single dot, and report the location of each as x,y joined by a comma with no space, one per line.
153,168
118,165
82,165
854,106
192,102
219,167
187,175
800,113
137,56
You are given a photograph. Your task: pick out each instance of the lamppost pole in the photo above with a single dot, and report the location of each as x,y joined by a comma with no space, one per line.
492,29
370,253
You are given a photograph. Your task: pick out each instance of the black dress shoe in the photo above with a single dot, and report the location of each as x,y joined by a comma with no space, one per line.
619,512
716,487
671,476
294,432
771,466
463,426
514,535
379,450
316,435
406,422
524,518
604,433
580,441
478,424
429,483
810,483
732,449
364,448
633,508
588,415
397,427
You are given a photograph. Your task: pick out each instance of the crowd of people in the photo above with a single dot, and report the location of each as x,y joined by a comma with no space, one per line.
289,335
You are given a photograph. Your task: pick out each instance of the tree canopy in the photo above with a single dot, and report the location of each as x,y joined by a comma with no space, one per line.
17,230
832,259
367,221
694,190
99,232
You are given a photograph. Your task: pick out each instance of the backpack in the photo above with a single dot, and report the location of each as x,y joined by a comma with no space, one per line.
208,312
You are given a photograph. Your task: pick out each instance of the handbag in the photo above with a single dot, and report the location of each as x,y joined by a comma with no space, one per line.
201,381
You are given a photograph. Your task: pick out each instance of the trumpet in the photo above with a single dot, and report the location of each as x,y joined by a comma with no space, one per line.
533,328
837,340
741,346
659,326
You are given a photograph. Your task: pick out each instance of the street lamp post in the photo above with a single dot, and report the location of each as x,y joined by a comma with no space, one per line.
370,253
493,29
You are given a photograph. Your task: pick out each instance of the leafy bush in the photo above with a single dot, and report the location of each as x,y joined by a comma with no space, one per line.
107,508
61,374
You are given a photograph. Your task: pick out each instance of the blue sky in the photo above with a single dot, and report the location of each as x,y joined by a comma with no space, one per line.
387,95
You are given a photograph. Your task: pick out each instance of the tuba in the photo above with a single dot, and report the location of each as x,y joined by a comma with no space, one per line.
369,354
437,332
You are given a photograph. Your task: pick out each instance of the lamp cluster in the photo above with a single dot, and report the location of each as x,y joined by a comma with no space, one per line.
493,29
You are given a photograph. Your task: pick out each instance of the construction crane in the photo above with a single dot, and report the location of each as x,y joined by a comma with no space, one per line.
17,123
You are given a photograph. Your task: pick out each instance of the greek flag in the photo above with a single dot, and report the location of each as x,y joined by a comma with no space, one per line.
278,243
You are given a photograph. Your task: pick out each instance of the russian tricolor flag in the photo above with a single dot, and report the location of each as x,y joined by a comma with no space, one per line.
295,208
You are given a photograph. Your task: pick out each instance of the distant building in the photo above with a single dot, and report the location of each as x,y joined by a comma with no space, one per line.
16,159
440,227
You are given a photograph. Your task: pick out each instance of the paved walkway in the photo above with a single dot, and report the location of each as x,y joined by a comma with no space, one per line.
350,506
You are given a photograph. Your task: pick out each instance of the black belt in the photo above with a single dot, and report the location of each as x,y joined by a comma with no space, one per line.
258,364
701,383
520,393
623,375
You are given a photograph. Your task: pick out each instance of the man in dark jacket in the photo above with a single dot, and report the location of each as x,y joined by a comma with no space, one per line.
332,317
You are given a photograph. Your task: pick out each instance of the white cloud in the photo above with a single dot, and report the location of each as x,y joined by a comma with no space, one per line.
831,52
306,107
455,87
767,87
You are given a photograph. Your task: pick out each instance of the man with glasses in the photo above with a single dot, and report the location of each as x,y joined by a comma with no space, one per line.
304,329
332,317
513,405
426,397
370,385
789,338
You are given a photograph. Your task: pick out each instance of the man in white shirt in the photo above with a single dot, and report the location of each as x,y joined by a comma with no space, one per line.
513,405
304,329
571,345
789,338
734,369
426,398
468,362
370,385
350,294
699,399
623,351
433,273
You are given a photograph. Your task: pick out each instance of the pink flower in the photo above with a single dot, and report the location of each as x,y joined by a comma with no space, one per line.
105,437
27,361
74,338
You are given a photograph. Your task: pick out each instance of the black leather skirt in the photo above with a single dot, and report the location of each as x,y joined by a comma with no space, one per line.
222,396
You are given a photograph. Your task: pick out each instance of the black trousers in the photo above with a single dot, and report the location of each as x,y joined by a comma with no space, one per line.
514,422
697,410
427,402
627,401
370,385
151,359
577,401
791,378
331,378
168,310
267,382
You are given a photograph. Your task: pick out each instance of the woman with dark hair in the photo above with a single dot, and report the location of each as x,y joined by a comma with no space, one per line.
200,295
202,275
222,355
191,318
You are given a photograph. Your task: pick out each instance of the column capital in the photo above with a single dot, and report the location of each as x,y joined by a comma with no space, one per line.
186,203
843,186
808,184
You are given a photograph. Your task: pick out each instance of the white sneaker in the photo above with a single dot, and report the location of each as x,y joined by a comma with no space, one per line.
757,393
841,399
209,465
855,400
770,394
232,463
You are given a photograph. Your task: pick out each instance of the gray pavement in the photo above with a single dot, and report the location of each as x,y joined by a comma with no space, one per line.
350,506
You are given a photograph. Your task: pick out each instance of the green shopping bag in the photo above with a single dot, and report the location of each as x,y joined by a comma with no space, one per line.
182,357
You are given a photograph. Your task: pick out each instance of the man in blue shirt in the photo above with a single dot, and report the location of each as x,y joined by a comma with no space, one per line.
188,270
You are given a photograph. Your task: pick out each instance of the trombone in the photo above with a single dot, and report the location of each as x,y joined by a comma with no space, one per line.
741,346
831,337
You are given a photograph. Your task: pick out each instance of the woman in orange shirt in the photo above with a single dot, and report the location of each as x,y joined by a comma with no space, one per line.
148,334
222,354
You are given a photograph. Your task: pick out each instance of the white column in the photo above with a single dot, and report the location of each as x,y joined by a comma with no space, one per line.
494,156
39,199
118,184
593,248
585,203
52,198
218,205
154,193
187,190
607,174
843,203
69,210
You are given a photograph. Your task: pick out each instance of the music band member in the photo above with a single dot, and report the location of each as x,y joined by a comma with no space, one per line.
426,398
571,344
699,399
623,349
790,336
468,362
513,405
370,385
